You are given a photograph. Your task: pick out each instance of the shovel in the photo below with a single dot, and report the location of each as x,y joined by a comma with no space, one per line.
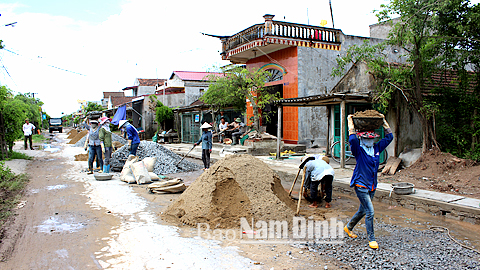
185,155
299,169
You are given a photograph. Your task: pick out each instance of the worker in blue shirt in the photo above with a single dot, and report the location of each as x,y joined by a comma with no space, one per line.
317,172
132,136
364,178
206,141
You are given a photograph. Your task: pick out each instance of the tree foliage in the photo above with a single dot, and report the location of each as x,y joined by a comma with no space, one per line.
235,86
93,106
14,110
438,37
162,112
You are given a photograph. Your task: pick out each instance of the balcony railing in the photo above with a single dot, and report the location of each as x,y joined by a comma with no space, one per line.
282,30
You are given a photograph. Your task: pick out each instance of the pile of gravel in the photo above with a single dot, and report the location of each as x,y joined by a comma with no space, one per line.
165,163
115,137
400,248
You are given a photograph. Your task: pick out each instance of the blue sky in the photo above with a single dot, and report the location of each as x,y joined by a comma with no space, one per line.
74,50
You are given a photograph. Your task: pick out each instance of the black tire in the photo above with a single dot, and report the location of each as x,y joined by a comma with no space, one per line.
49,130
61,130
335,153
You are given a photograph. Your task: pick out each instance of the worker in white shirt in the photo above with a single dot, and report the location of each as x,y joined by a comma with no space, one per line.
28,132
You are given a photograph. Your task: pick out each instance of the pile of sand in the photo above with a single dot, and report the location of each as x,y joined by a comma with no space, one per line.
77,137
367,114
81,157
72,133
234,187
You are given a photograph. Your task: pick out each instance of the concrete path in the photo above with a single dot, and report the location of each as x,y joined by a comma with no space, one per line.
436,203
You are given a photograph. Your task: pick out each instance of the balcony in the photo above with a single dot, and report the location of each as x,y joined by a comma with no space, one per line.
273,35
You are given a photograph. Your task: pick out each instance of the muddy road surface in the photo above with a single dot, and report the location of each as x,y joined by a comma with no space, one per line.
68,220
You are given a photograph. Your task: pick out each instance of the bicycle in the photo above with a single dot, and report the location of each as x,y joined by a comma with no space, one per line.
335,152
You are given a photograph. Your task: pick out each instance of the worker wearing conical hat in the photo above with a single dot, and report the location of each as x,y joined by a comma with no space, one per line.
206,141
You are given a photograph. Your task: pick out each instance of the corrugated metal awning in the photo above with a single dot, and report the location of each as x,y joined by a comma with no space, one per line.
323,100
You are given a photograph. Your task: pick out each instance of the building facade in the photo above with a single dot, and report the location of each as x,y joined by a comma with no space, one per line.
300,59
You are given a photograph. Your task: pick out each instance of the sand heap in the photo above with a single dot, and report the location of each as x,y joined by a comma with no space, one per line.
72,133
77,137
234,187
367,114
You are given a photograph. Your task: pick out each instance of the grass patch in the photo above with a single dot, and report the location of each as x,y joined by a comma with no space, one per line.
18,155
38,138
11,186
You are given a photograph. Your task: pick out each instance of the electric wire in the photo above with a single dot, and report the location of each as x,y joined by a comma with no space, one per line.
52,66
6,70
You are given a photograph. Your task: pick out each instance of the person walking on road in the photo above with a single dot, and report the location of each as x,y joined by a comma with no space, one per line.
319,171
364,178
206,141
94,145
28,133
132,136
105,136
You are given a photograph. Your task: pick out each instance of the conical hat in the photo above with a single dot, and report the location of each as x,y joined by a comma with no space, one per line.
205,125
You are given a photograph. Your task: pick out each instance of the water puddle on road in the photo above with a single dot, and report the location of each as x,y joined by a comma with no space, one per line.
139,242
55,187
55,225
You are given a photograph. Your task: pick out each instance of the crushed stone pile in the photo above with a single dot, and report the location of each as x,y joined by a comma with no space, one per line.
115,137
165,163
78,137
234,187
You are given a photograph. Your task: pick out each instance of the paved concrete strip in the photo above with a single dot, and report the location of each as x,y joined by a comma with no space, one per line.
470,202
432,195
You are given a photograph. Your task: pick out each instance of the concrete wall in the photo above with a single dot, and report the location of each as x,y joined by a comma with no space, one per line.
314,78
172,100
194,90
381,30
146,90
148,119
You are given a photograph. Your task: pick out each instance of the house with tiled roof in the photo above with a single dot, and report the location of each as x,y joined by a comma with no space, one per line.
190,84
107,100
143,87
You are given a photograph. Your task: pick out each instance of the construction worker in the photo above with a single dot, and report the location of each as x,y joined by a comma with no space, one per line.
105,136
94,146
319,171
364,178
132,134
206,141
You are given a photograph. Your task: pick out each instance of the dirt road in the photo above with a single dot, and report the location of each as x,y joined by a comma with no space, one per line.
71,221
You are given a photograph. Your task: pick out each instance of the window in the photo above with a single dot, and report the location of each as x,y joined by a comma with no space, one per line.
274,75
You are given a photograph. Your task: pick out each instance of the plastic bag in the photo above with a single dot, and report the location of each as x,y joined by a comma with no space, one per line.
141,173
153,176
126,174
149,163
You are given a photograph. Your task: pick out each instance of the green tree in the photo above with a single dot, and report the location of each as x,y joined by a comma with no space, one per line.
235,86
440,37
92,106
162,112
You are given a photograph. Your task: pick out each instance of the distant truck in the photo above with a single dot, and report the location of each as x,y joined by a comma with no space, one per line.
55,124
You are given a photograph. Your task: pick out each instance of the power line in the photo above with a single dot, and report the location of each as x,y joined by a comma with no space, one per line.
6,70
52,66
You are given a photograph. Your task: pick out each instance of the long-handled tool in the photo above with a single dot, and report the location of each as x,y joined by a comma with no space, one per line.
185,155
300,194
298,173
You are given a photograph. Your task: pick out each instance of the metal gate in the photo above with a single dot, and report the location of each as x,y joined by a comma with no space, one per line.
191,127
